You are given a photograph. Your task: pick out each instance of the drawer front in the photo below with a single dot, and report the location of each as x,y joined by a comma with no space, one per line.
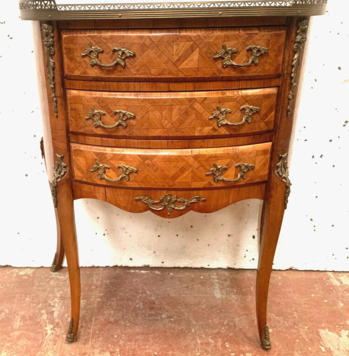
169,203
197,168
172,115
173,54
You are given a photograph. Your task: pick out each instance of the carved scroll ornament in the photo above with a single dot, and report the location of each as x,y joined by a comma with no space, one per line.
169,202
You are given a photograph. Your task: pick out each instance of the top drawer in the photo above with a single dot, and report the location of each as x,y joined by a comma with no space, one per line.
155,55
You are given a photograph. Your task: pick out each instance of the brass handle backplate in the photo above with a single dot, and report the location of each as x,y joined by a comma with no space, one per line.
226,52
93,51
220,115
168,202
217,172
96,116
101,168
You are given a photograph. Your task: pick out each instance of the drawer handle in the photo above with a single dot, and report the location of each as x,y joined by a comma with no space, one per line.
101,168
96,116
168,201
226,52
93,51
217,172
220,114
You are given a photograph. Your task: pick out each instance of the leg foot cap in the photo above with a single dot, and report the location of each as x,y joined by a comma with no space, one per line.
54,268
70,336
266,344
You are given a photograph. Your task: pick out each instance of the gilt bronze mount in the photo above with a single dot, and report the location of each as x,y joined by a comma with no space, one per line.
96,116
59,171
220,115
100,169
217,172
93,51
169,202
226,52
283,173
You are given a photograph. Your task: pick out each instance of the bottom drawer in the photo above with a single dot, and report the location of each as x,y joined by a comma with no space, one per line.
169,203
185,168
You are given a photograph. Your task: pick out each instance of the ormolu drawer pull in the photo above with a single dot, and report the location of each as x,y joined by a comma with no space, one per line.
217,172
220,113
92,52
168,201
95,115
226,52
101,168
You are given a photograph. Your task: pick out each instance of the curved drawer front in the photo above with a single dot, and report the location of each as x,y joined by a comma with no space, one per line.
197,168
172,115
173,54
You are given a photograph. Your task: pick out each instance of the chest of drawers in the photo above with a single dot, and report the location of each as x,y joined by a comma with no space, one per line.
170,108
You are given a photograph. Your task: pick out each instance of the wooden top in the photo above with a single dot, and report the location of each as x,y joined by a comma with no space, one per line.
92,9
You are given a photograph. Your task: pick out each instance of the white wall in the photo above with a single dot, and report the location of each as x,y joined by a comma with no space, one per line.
315,233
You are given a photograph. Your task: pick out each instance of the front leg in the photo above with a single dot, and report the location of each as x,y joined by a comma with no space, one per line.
65,211
273,212
59,255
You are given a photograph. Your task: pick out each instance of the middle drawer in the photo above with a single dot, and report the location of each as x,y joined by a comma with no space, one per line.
172,115
185,168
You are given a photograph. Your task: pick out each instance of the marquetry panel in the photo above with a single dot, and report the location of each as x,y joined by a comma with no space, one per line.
185,54
183,168
172,115
216,199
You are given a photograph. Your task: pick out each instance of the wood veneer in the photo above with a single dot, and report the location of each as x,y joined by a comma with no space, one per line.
170,168
174,54
174,60
178,143
216,199
172,115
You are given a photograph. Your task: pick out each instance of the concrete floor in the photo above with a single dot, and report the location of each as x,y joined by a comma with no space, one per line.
172,312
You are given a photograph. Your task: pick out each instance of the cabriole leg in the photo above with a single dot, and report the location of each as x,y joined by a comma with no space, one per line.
65,212
273,212
59,255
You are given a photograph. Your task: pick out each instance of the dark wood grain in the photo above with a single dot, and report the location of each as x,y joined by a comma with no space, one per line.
171,86
150,23
203,143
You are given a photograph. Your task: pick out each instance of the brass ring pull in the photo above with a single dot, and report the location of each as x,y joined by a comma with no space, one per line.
96,116
168,202
226,52
101,168
220,114
93,51
217,172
